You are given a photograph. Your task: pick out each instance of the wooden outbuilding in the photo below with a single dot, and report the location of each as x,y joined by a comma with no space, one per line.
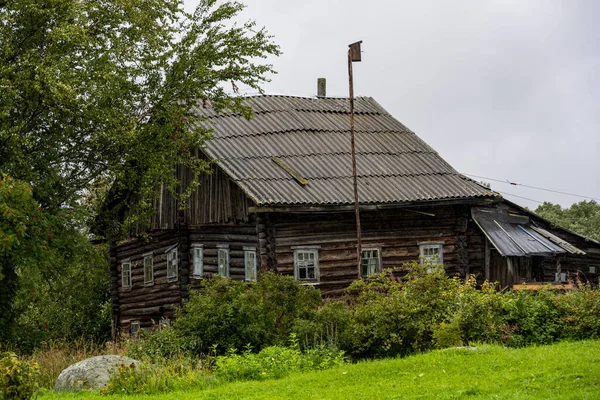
281,198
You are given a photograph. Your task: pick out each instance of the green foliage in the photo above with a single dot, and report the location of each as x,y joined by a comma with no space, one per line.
156,378
582,217
96,113
531,318
44,256
275,362
18,378
159,345
325,326
233,314
580,313
104,91
398,316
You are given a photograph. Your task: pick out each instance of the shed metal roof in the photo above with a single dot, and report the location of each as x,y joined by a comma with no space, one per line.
312,137
513,235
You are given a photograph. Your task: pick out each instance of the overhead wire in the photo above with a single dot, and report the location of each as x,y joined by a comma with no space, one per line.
532,187
520,197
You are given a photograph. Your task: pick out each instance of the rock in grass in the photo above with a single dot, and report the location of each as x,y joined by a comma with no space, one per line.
91,373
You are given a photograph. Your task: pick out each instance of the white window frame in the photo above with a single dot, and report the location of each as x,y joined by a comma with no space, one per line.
250,264
298,264
148,278
197,260
172,265
377,257
126,281
426,259
135,328
223,260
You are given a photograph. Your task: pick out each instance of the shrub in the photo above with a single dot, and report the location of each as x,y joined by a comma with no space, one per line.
156,378
580,313
325,326
398,316
233,314
531,318
18,378
275,362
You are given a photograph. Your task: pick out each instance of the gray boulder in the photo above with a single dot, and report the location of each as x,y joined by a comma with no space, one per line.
91,373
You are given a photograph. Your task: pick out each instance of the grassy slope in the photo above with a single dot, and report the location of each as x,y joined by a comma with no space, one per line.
562,371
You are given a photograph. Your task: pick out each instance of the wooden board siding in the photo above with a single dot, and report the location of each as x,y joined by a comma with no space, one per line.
396,232
216,201
146,303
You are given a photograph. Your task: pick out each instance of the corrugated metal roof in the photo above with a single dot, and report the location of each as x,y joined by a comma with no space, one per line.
555,239
512,235
312,137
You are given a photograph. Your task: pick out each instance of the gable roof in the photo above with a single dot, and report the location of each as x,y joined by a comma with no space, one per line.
292,139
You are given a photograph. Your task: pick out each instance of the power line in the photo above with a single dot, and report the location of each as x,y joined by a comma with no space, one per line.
520,197
533,187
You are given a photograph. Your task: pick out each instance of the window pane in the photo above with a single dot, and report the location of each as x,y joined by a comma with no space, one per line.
302,273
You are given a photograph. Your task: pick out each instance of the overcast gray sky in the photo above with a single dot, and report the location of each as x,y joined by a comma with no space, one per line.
502,89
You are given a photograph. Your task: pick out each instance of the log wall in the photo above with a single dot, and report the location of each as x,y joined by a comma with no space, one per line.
235,236
146,303
396,232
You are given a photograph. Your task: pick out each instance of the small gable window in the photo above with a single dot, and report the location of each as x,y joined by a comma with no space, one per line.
306,264
223,259
148,270
172,260
431,253
371,262
250,263
126,275
198,260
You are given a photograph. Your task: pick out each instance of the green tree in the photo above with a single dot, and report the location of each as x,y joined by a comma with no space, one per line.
101,94
107,89
582,217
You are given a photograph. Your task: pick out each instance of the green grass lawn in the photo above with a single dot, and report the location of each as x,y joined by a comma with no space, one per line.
561,371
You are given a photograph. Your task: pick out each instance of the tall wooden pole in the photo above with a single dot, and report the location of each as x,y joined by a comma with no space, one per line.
354,55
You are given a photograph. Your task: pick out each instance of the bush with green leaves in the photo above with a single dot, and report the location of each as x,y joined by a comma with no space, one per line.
18,378
275,362
398,316
227,314
580,313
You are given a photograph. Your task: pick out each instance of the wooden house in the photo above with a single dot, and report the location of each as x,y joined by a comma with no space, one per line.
281,198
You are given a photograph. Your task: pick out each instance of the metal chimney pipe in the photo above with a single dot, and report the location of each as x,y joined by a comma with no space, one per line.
321,87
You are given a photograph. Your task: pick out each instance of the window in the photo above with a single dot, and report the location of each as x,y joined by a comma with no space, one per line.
250,263
172,270
135,328
198,260
126,274
223,259
148,270
431,253
371,262
306,264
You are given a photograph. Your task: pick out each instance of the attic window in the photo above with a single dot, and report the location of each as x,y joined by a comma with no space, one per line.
290,171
